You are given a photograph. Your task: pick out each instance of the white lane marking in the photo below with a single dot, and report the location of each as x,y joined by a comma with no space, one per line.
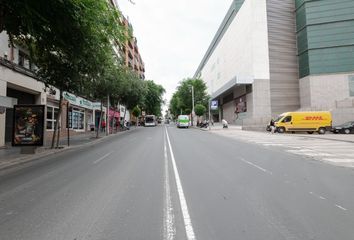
101,158
340,207
187,220
318,196
338,160
256,166
169,228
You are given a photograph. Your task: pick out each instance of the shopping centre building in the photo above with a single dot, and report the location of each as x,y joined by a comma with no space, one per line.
274,56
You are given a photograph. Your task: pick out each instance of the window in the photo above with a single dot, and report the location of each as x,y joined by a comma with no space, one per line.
76,119
52,113
287,119
351,86
23,60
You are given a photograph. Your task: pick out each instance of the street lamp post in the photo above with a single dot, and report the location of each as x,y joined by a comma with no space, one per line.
192,104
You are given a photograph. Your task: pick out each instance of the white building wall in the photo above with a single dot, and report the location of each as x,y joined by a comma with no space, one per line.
2,116
243,50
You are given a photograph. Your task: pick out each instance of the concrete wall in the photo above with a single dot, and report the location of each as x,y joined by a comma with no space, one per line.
284,83
243,49
2,116
261,98
322,91
229,112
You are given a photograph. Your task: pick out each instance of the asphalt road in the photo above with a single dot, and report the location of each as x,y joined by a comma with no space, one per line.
168,183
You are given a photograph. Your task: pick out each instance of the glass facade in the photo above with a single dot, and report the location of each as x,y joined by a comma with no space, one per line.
325,36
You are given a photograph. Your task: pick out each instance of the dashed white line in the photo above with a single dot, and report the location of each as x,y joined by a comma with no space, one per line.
340,207
187,220
256,166
103,157
169,228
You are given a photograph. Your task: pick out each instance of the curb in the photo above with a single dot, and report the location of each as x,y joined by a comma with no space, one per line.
49,152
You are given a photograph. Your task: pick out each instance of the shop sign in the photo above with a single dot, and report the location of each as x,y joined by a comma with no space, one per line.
28,125
214,105
70,97
96,105
84,103
77,101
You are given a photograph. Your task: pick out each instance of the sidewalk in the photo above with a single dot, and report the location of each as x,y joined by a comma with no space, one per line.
328,136
11,156
218,127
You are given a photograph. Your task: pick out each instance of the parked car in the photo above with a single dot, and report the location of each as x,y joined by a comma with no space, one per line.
346,128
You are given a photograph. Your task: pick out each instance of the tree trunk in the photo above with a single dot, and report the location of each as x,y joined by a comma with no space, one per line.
56,125
125,111
100,121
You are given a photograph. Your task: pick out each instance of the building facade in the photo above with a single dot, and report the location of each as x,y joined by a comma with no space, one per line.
268,56
325,37
19,85
130,52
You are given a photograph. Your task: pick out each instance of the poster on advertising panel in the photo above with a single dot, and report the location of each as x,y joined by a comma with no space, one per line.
214,105
28,125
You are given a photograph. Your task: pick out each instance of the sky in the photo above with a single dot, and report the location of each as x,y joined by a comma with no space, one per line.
173,36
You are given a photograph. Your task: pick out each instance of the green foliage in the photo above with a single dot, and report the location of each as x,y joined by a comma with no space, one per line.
199,110
153,98
136,111
181,101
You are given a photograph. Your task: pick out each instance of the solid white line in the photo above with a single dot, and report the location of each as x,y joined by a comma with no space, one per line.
256,166
103,157
187,220
340,207
169,228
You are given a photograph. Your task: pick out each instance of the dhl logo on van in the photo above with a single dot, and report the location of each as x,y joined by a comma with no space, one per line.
312,118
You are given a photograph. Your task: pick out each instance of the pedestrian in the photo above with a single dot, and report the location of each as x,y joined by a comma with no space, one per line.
224,124
272,126
103,125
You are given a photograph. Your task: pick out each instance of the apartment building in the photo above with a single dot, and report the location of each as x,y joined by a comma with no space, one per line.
130,52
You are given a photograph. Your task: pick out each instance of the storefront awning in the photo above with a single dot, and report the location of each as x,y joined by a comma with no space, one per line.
235,81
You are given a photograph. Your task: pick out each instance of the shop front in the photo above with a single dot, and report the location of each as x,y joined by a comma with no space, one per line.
114,120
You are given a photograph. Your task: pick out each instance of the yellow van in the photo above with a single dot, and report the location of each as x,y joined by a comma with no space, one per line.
304,121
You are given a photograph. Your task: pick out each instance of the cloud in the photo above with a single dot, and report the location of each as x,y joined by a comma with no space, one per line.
173,36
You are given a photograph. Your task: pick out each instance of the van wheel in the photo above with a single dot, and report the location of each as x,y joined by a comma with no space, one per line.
321,130
281,130
346,131
310,132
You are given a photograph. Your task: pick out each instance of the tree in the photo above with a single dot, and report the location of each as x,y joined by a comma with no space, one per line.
153,100
199,110
136,113
69,41
181,101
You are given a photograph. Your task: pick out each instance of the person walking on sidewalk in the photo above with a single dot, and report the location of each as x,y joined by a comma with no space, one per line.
103,125
272,126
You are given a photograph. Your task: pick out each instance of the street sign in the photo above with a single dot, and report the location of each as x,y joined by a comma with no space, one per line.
214,105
